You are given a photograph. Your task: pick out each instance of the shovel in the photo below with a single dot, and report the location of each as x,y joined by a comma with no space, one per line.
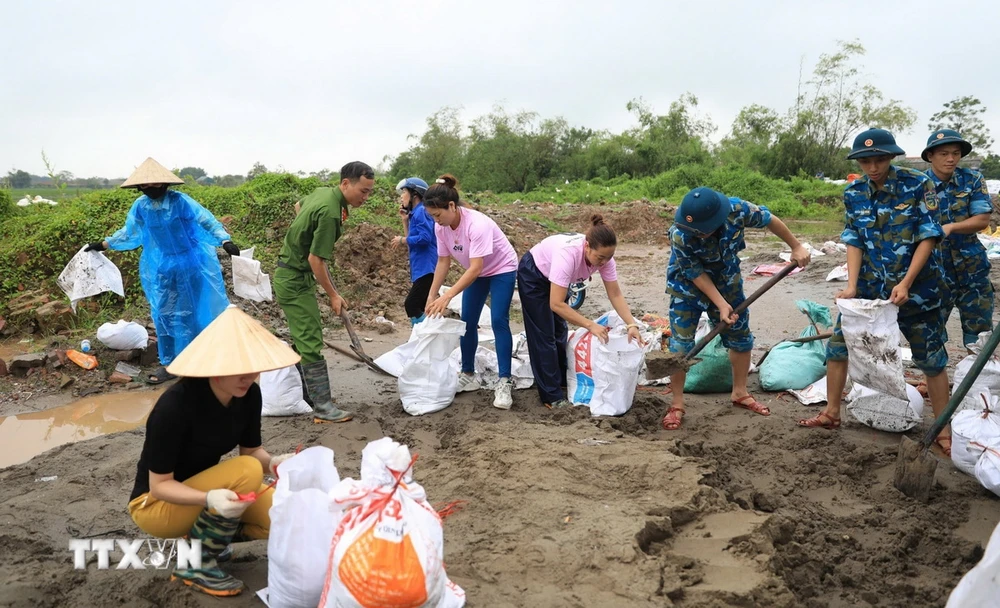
356,350
666,364
914,466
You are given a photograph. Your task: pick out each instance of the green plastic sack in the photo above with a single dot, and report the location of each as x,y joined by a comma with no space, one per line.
794,365
714,373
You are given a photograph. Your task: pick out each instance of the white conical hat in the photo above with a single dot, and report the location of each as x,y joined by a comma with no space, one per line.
151,172
233,344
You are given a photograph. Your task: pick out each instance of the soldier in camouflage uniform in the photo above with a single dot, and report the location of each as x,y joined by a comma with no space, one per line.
964,207
891,232
704,276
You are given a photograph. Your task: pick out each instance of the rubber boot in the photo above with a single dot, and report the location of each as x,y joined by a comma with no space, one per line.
318,382
214,531
415,320
305,388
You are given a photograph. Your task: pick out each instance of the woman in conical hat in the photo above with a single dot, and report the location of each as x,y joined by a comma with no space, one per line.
179,269
181,487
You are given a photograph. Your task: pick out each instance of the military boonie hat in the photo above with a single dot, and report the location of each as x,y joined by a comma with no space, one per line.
946,136
702,211
874,142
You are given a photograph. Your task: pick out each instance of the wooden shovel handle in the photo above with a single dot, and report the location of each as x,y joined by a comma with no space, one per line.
743,306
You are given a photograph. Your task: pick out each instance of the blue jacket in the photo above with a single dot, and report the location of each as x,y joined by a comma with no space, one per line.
422,243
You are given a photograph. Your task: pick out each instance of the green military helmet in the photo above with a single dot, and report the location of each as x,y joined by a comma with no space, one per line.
874,142
702,211
945,136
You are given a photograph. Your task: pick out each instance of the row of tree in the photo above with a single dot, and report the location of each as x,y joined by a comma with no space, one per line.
511,152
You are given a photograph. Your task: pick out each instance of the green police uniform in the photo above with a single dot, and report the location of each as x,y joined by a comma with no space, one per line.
315,230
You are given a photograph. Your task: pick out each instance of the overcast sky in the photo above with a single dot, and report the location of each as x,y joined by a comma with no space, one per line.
312,84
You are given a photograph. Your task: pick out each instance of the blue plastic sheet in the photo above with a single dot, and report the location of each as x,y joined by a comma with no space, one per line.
179,268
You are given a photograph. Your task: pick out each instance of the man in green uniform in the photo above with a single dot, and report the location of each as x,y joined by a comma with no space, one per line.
302,265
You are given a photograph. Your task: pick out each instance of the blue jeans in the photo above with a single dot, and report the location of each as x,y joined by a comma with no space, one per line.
500,289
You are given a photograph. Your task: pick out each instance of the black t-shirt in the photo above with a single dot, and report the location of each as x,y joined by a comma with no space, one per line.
189,431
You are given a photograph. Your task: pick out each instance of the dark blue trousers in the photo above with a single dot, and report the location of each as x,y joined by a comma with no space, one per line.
545,330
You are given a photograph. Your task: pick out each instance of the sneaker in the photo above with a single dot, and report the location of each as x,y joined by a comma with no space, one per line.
502,398
467,382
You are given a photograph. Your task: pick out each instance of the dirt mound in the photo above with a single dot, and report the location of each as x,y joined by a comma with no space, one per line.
642,222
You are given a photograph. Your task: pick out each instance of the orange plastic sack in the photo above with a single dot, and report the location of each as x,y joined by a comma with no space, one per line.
87,362
389,546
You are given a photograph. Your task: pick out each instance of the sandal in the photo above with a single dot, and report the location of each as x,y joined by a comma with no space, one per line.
753,405
940,442
821,421
159,376
673,418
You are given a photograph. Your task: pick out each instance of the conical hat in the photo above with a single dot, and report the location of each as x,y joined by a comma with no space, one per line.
233,344
151,172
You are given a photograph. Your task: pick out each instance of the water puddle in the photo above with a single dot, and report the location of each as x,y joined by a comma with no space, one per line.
24,436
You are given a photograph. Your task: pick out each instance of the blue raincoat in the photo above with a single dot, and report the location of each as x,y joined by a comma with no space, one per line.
178,268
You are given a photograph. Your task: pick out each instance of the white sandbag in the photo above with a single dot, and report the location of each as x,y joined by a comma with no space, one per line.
427,383
988,379
812,394
89,273
389,548
980,587
604,377
872,336
302,527
988,468
281,391
839,273
455,305
885,412
973,428
248,280
123,335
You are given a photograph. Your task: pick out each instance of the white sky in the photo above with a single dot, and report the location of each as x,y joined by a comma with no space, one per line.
312,84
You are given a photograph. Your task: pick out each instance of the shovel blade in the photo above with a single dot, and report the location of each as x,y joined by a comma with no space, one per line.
915,469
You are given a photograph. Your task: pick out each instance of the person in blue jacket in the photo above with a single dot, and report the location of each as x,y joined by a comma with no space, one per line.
179,269
418,234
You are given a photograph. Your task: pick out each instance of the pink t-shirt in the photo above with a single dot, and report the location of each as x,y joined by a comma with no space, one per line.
477,236
560,258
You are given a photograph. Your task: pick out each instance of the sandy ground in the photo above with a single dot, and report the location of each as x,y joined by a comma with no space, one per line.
733,509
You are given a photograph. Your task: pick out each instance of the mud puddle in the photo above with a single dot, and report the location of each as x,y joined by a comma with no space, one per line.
24,436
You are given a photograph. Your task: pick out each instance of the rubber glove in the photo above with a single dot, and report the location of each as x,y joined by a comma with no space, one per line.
276,460
95,246
231,249
226,503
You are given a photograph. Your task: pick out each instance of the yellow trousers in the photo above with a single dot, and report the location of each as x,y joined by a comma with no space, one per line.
241,475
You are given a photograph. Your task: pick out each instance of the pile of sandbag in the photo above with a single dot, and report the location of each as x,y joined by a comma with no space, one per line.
376,541
974,430
603,377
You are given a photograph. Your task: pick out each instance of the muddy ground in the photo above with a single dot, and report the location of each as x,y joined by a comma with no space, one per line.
733,509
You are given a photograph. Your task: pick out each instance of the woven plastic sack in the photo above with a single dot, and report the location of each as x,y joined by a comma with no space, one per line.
89,273
872,336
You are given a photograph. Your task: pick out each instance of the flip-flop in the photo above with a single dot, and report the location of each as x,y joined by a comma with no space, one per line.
754,406
161,375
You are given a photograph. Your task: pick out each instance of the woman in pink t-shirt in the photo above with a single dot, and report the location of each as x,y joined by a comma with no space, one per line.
478,244
543,280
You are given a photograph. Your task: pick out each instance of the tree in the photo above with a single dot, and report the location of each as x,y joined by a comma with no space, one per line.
19,179
195,173
662,142
755,130
991,166
836,106
440,149
964,114
258,169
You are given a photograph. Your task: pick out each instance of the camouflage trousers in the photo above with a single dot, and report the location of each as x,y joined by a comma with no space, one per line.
925,332
972,291
684,316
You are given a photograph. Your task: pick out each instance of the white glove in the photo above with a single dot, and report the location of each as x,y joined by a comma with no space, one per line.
226,503
276,460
